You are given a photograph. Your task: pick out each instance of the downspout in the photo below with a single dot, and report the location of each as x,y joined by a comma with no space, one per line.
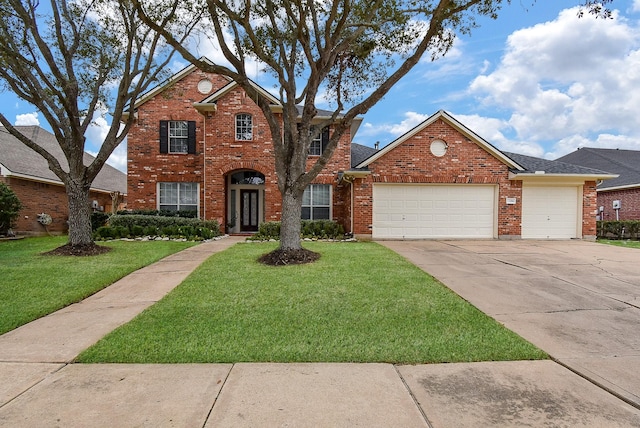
352,211
204,167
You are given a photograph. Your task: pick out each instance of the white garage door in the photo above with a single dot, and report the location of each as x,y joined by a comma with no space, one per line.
417,211
550,212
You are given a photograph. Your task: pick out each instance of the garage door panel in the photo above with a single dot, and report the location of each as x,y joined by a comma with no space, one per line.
550,212
433,211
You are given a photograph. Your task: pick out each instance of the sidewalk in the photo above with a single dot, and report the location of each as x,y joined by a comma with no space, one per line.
40,387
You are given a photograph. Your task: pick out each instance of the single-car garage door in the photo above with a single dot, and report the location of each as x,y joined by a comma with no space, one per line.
419,211
550,212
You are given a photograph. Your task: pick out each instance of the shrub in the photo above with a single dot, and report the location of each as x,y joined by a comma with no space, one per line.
628,229
150,231
121,232
313,229
269,230
137,230
105,232
161,213
10,207
98,219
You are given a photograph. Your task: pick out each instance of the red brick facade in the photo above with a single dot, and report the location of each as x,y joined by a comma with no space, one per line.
629,204
38,197
218,155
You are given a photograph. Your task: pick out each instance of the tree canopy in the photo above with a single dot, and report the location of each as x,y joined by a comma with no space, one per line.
74,61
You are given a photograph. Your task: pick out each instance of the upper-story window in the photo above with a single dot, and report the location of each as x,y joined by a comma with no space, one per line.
319,143
244,127
177,136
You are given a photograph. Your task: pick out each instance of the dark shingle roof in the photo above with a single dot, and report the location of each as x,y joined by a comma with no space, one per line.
359,153
532,164
625,163
20,159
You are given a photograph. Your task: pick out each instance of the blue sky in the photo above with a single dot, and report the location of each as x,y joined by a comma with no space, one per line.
537,81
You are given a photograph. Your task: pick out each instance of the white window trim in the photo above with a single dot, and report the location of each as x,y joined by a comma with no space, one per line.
330,201
238,134
317,140
185,137
178,182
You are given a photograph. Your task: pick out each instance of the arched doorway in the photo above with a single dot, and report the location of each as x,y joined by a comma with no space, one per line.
245,207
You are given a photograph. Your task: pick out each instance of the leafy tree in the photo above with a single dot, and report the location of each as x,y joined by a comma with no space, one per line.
10,207
354,50
75,61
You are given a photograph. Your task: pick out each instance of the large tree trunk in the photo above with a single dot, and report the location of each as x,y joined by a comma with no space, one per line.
291,221
79,213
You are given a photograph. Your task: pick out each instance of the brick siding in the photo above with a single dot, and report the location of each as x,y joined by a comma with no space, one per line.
37,197
629,204
218,154
464,163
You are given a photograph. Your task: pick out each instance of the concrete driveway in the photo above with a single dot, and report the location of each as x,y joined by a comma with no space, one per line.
578,301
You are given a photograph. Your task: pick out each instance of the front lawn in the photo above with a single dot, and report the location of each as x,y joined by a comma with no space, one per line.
621,243
33,285
359,303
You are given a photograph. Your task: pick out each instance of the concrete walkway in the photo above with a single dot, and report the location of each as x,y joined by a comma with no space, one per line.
39,387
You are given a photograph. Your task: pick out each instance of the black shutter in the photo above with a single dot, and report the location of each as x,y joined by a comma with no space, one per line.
164,136
325,138
191,137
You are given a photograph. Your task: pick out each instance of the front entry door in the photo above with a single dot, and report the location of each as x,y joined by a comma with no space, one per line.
249,210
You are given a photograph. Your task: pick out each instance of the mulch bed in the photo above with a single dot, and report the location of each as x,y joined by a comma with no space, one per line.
78,250
282,257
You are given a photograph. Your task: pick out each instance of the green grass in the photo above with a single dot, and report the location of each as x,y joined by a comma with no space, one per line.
620,243
359,303
33,285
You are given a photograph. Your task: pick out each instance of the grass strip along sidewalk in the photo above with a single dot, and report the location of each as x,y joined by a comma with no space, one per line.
359,303
33,285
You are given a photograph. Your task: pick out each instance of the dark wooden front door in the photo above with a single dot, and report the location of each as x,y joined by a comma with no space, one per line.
249,210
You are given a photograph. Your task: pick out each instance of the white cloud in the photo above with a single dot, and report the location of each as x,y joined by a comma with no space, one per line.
27,119
569,82
118,158
392,130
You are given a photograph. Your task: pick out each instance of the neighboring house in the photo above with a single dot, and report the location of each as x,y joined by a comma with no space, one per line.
40,190
618,198
200,142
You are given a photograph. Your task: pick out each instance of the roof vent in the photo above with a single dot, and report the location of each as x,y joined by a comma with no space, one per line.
539,172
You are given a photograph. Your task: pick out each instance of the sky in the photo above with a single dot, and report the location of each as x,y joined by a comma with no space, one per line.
538,81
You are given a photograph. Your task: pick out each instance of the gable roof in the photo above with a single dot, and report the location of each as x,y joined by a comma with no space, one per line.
20,161
625,163
451,121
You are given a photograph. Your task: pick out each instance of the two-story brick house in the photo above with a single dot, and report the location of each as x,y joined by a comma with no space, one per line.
201,143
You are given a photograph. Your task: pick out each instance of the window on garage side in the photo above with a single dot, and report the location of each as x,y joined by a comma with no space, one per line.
244,127
316,202
178,196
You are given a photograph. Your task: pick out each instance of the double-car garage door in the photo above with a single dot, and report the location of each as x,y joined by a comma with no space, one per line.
423,211
420,211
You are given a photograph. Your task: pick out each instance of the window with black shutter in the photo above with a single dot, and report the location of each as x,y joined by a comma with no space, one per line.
177,136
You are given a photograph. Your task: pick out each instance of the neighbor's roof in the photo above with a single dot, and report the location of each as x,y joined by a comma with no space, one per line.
20,161
532,164
625,163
